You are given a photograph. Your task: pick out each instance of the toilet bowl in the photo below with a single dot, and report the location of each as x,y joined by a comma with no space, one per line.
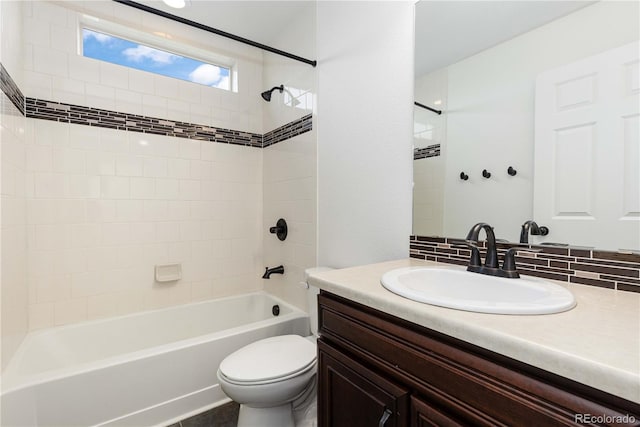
268,377
274,379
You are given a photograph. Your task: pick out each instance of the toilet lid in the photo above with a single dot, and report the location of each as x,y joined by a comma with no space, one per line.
268,359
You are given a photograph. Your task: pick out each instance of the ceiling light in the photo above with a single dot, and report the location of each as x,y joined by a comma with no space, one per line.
176,4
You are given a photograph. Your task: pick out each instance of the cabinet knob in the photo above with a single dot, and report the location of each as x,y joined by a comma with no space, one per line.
385,416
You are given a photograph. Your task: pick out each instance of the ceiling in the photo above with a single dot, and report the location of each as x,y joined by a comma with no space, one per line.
446,31
259,21
449,31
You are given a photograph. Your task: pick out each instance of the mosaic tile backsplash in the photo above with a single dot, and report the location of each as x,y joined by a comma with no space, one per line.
592,267
423,153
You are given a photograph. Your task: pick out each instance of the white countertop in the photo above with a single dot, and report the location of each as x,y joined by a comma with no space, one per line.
597,343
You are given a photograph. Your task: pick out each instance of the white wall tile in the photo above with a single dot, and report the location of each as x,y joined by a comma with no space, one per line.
128,101
141,81
70,311
100,96
50,61
155,167
68,90
69,161
64,38
100,163
83,137
129,165
39,158
167,231
179,168
190,149
40,316
129,210
84,186
115,187
114,76
167,189
189,190
154,106
84,69
50,185
116,234
166,87
143,188
85,235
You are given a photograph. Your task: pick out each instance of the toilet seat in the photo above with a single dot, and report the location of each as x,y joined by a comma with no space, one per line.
269,360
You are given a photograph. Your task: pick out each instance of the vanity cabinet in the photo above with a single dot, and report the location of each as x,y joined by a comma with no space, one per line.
378,370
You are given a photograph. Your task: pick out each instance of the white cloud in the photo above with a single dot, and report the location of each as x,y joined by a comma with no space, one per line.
140,52
223,83
206,74
100,38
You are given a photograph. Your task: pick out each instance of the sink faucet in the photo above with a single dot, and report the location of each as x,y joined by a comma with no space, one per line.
535,231
491,260
275,270
490,266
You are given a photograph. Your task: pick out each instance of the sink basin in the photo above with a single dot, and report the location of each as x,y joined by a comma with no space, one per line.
467,291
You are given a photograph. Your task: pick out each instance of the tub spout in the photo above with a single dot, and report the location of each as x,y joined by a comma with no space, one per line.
275,270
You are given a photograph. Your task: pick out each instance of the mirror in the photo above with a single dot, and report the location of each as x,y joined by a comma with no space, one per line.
478,62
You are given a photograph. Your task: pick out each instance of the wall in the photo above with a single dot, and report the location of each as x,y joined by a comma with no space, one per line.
105,206
490,115
365,108
13,249
290,166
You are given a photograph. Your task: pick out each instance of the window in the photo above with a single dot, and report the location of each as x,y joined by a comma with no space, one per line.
131,54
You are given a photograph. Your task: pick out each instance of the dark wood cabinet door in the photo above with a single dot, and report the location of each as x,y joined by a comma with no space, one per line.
426,415
351,395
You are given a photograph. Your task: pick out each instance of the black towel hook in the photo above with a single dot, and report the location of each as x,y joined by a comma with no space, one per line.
511,171
464,176
486,174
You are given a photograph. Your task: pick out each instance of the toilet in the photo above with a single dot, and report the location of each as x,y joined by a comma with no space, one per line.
274,379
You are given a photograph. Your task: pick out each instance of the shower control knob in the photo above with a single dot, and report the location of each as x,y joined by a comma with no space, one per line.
280,230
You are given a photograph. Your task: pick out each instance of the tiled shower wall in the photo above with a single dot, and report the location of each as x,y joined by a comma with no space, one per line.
13,227
105,205
290,166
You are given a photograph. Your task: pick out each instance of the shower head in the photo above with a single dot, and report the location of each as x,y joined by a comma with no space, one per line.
266,95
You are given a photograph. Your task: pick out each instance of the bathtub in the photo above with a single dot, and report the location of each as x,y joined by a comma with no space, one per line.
144,369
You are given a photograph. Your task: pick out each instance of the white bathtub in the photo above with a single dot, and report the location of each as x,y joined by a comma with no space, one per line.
145,369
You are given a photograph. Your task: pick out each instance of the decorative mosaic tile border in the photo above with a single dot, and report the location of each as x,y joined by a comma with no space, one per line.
423,153
76,114
593,267
67,113
287,131
11,89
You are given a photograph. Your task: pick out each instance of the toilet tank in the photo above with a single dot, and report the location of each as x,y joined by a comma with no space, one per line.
312,297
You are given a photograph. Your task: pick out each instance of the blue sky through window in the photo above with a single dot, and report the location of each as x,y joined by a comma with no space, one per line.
134,55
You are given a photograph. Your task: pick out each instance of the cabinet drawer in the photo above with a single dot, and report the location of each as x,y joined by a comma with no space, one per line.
476,385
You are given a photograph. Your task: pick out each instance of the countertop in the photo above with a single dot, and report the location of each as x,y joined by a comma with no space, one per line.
597,343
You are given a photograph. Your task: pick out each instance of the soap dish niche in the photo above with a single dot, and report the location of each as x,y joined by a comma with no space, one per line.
168,272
